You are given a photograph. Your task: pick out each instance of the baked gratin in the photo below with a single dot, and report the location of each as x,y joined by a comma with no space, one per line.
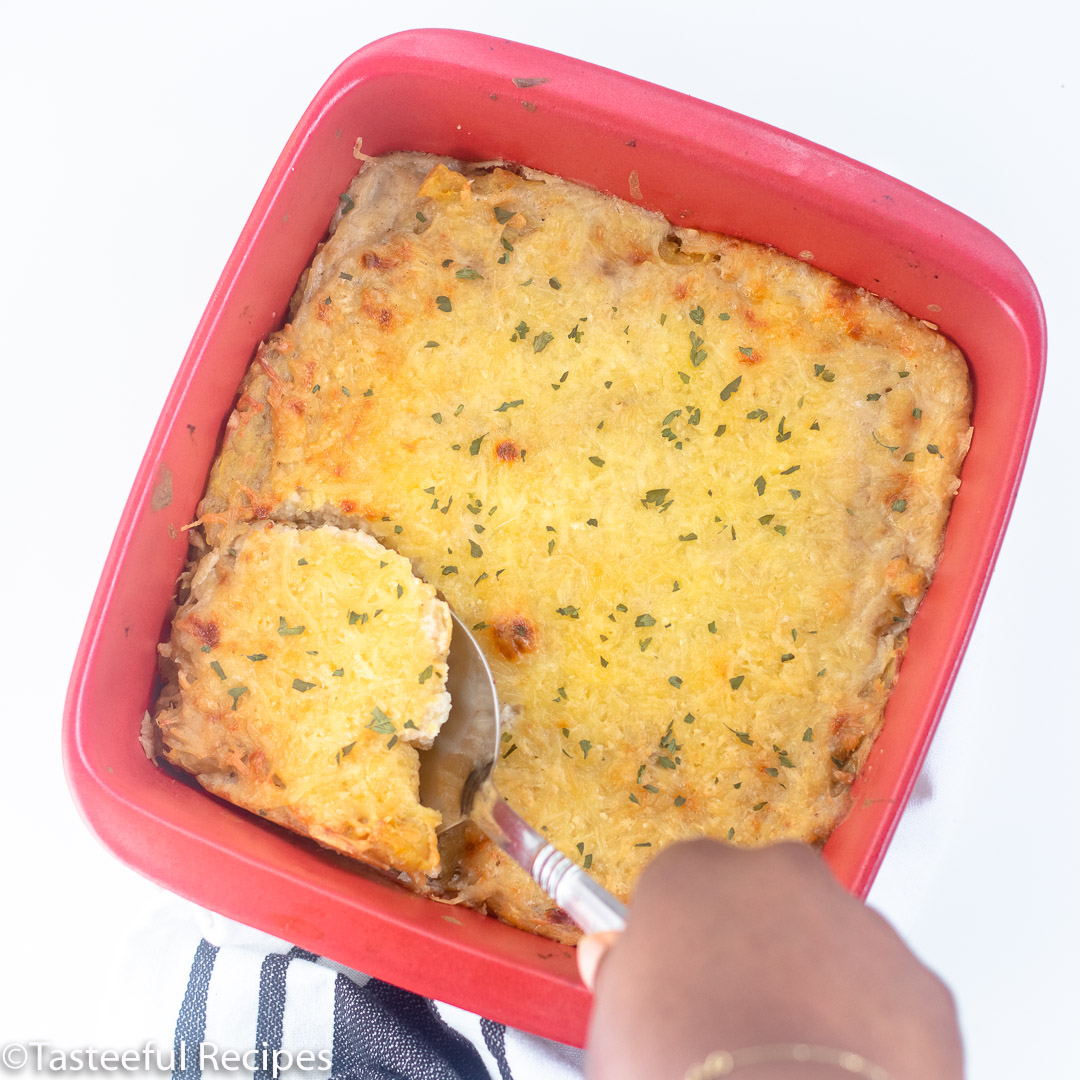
688,491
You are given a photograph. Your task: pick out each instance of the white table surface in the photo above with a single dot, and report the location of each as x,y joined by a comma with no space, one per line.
122,119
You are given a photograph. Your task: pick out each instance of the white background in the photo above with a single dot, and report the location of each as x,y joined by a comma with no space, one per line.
135,141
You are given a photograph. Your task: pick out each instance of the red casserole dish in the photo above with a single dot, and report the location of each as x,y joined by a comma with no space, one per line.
476,97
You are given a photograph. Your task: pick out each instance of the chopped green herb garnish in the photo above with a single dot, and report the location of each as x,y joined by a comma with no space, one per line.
467,273
731,388
380,722
474,446
449,570
257,656
541,341
675,681
736,682
236,692
217,669
759,485
426,674
443,303
698,355
302,686
285,630
899,505
502,214
569,611
586,746
338,673
510,404
698,315
597,461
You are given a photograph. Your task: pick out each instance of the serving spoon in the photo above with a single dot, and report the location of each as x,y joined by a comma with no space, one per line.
456,779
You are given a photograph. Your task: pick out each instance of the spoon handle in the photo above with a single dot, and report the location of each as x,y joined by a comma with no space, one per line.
590,905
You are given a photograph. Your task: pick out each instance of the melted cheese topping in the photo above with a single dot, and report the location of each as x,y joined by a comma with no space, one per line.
688,490
309,661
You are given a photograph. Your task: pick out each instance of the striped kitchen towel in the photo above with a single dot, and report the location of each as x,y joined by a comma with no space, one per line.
257,1006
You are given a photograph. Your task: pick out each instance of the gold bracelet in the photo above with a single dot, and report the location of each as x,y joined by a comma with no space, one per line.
724,1062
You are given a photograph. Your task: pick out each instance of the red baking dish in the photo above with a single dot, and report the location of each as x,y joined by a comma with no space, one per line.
479,98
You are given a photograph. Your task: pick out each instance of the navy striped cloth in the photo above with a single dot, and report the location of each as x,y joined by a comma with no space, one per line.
286,1014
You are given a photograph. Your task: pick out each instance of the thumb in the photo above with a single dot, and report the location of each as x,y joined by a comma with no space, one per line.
591,951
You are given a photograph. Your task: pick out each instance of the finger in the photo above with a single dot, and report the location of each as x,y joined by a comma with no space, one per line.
591,951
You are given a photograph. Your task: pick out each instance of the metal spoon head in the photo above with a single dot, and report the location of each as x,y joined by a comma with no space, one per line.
463,753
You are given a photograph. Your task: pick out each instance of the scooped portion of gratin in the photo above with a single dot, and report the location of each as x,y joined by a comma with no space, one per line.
309,666
688,491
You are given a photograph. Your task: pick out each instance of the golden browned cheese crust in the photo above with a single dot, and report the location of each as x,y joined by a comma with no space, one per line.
307,665
690,492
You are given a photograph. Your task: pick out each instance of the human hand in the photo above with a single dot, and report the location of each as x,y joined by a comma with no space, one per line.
728,948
